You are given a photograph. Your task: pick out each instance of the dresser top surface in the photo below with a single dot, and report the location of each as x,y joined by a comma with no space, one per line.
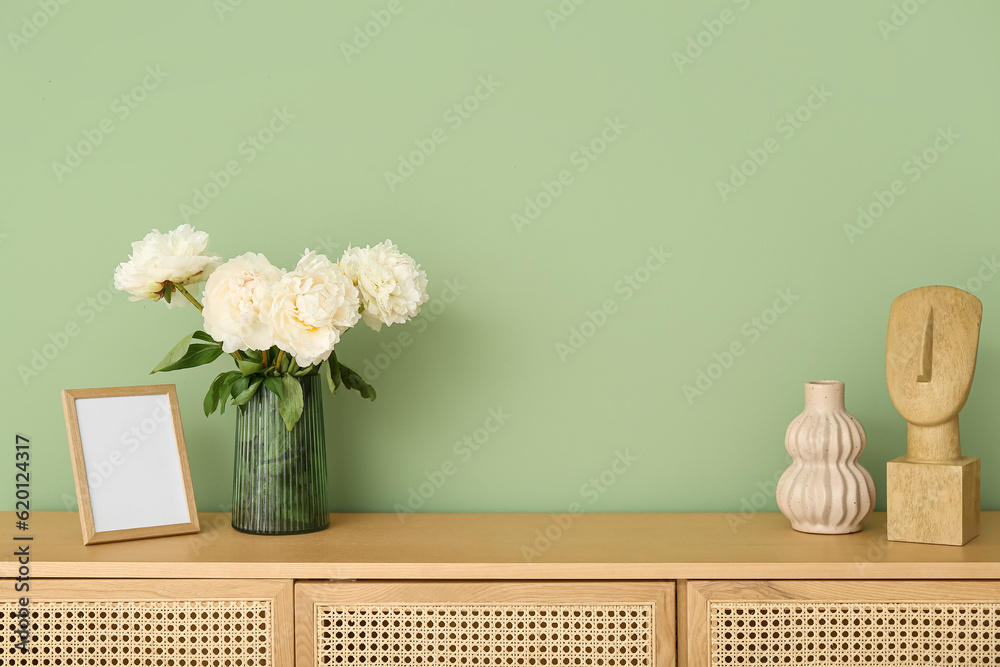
509,546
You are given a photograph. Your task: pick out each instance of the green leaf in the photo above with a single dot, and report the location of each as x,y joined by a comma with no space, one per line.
248,367
197,355
337,381
330,381
212,397
252,355
239,385
225,391
304,371
245,396
290,405
285,361
175,354
188,355
274,384
201,335
353,380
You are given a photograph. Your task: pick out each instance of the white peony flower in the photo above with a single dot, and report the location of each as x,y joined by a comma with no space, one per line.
232,300
179,257
392,285
309,308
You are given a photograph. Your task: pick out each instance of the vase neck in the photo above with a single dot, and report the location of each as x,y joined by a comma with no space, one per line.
826,395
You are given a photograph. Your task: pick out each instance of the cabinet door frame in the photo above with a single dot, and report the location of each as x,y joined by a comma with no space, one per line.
661,594
278,591
694,598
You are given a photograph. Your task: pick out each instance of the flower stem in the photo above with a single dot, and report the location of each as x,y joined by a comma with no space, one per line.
277,362
188,296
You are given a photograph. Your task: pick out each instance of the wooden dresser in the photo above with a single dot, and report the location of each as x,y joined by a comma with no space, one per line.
511,590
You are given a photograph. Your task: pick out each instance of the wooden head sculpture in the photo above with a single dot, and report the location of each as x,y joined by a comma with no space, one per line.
930,360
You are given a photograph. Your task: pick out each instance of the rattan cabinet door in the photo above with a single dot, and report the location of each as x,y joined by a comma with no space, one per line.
157,622
839,623
516,624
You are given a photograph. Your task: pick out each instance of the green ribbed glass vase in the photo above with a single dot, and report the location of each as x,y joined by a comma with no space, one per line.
279,480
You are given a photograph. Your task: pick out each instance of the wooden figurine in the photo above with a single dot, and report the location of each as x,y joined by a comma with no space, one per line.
932,493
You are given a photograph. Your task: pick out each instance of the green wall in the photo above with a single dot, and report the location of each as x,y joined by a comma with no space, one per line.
607,116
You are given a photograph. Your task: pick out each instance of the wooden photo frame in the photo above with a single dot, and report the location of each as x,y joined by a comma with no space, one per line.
129,462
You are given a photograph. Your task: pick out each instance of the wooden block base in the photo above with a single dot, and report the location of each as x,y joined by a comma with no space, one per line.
932,503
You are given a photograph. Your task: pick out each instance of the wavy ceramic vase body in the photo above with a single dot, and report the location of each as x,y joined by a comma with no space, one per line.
825,490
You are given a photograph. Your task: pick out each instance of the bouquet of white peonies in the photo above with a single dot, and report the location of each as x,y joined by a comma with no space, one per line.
277,325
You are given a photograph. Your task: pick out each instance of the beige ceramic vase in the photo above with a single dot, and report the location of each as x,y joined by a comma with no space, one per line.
825,490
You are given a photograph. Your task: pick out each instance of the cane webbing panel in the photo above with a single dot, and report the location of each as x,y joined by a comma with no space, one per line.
126,633
857,633
509,634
